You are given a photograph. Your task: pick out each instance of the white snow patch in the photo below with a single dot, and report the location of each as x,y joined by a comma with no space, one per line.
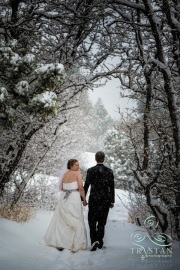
21,246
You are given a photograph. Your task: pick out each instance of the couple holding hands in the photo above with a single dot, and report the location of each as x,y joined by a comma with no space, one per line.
67,228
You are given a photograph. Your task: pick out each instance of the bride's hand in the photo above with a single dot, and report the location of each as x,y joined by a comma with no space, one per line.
84,203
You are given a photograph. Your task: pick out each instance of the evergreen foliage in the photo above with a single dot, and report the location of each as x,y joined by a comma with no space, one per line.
119,156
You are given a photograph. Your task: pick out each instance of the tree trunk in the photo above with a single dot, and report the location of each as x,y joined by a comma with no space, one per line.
168,80
16,154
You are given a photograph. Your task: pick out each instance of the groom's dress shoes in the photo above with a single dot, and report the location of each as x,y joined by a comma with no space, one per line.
60,248
100,244
94,246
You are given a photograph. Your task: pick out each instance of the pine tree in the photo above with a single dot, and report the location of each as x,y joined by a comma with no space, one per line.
119,156
102,122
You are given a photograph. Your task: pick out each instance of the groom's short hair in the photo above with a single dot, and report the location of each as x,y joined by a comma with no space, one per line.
100,156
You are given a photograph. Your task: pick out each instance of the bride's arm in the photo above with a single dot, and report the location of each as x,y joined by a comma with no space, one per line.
81,189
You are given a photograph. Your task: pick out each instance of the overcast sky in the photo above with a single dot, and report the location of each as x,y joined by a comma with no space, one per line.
110,96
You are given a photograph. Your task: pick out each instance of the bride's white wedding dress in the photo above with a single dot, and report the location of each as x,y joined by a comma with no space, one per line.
67,228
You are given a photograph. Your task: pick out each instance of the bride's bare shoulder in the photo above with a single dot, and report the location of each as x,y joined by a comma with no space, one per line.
65,173
72,173
77,173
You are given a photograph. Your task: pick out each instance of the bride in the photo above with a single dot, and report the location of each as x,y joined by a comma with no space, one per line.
67,228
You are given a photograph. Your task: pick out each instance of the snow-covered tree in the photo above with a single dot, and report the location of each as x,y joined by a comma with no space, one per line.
73,138
149,70
51,147
102,122
40,42
119,156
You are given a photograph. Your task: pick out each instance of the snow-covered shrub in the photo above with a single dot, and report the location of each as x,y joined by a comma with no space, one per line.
3,94
50,75
7,56
22,88
46,102
28,58
35,83
19,213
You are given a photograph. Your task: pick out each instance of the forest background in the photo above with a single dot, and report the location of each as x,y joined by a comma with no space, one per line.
51,54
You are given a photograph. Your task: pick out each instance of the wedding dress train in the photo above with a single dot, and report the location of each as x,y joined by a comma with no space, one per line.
67,228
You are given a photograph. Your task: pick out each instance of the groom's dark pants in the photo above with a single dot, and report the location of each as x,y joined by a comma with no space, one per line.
97,217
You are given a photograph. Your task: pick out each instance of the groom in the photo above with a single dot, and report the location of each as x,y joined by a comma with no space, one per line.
101,180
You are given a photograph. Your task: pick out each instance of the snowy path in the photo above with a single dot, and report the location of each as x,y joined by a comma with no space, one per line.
20,247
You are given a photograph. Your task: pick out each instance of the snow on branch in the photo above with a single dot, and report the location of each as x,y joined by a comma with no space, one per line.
131,4
162,66
50,69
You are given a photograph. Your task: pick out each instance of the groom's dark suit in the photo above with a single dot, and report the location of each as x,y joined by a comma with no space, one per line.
101,180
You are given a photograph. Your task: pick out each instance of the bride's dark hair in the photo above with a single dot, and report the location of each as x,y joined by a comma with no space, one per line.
71,162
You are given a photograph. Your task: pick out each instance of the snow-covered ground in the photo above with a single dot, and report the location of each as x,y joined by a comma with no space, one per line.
21,247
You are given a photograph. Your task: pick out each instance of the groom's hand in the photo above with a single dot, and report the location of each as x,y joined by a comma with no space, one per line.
111,205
